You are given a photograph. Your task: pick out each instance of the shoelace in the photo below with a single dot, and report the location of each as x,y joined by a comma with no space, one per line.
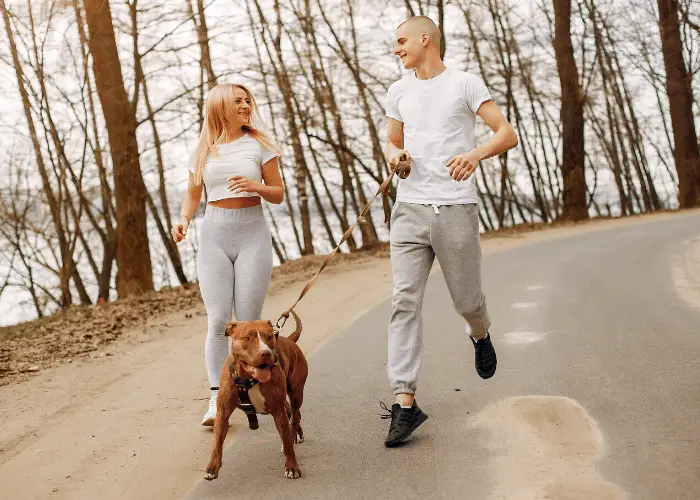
390,413
404,417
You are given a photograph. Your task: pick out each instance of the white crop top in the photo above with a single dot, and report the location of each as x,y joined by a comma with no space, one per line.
245,156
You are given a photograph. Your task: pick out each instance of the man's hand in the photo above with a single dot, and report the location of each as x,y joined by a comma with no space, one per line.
401,163
464,165
240,184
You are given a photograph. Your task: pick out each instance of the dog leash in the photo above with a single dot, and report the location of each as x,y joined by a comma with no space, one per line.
402,169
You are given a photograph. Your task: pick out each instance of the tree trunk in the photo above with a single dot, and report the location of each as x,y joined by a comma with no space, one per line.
572,165
109,237
134,272
441,25
164,230
680,99
66,241
325,98
203,41
614,83
277,242
285,86
53,203
268,97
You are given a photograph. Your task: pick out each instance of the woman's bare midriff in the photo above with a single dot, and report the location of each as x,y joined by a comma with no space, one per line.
234,203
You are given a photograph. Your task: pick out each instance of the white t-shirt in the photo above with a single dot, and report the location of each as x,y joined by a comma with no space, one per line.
438,118
245,156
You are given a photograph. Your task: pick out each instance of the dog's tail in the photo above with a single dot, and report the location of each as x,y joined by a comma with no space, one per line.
296,333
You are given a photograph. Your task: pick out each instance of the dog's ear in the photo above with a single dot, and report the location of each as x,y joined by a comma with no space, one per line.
269,323
230,328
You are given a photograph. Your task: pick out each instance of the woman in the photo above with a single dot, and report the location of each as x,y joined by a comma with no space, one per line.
237,163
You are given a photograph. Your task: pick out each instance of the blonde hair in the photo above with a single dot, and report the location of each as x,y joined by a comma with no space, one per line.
220,119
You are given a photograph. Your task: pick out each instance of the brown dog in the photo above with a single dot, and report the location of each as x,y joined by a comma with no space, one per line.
277,367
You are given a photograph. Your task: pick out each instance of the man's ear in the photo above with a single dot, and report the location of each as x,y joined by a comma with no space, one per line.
230,328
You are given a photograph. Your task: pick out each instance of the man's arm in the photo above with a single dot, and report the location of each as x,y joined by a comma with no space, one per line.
394,145
504,138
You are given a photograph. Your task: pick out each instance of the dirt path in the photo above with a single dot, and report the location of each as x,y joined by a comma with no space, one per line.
126,424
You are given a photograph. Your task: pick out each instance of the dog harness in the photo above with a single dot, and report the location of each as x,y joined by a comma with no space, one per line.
244,385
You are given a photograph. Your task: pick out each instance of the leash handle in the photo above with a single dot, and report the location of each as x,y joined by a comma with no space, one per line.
402,169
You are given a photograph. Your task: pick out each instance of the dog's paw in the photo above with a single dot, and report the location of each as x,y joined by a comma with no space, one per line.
299,438
292,473
212,471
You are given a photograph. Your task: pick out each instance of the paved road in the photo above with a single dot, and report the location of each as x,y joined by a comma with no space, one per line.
597,393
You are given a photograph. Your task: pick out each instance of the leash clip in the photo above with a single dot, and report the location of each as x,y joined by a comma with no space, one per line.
283,319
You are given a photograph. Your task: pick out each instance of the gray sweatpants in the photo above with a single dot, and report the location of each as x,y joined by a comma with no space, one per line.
234,267
419,233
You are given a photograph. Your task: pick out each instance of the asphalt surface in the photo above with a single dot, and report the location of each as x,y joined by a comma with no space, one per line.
593,317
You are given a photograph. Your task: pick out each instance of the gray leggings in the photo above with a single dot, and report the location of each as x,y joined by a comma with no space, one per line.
234,266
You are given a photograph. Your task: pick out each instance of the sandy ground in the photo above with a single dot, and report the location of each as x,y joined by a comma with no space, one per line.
546,447
125,420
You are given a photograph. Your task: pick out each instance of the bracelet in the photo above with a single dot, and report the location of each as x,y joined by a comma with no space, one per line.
185,217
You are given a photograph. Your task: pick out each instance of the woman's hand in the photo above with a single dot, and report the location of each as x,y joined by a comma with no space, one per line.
240,184
179,230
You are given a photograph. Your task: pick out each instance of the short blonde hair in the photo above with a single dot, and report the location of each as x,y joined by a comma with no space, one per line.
424,24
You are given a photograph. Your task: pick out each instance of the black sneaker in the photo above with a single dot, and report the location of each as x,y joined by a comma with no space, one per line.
485,357
403,422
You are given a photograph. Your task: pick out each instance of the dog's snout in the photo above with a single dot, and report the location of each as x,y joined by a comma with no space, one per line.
266,354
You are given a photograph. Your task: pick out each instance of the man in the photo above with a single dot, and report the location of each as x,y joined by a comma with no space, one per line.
431,117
